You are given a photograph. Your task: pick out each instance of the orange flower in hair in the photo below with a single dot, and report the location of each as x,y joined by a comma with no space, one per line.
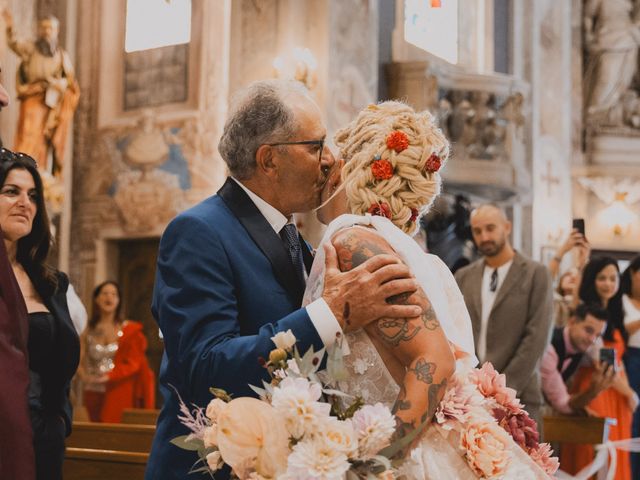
380,209
381,169
398,141
433,163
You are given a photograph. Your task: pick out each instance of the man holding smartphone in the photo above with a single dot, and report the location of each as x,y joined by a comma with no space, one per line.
567,352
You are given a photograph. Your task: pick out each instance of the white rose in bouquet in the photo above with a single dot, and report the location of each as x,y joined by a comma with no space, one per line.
296,400
249,430
284,340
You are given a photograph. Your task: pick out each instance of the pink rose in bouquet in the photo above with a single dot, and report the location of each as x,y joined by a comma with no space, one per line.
520,426
485,449
542,455
461,401
494,385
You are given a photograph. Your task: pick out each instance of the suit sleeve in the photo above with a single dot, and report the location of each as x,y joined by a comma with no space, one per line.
537,332
196,307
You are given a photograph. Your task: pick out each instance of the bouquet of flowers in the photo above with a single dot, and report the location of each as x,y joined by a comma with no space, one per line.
300,427
478,410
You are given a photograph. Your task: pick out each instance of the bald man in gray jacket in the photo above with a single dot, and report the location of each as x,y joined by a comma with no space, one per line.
509,298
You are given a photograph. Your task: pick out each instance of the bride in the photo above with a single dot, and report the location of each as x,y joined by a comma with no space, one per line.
390,178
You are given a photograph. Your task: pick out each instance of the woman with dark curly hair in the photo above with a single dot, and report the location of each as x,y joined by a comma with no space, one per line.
600,284
53,343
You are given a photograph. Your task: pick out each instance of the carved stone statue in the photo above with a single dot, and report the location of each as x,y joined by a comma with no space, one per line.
612,36
48,94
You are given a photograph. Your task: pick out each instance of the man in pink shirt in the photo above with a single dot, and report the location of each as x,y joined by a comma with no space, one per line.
566,352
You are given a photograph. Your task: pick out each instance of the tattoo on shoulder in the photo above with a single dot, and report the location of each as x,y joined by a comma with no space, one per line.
424,370
396,330
429,319
354,250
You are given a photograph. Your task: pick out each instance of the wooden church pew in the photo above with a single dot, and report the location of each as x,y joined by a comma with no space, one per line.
140,416
112,436
573,429
96,464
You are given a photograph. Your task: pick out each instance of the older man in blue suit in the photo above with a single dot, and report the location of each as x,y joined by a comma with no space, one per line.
231,270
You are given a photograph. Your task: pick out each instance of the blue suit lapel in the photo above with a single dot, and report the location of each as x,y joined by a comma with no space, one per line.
264,237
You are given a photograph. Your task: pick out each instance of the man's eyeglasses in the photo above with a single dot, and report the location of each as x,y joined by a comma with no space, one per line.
319,143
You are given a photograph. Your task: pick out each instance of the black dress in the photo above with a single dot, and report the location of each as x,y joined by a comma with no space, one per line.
53,358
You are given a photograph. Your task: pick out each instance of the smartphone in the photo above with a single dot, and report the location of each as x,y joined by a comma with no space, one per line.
578,224
608,355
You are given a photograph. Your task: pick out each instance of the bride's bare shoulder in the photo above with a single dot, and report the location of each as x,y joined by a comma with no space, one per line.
355,245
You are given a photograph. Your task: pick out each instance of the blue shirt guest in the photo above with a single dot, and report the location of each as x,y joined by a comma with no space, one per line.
231,270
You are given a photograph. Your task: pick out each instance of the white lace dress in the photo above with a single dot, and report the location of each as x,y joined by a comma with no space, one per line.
436,456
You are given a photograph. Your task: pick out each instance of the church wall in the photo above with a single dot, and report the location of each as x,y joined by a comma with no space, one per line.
549,54
136,169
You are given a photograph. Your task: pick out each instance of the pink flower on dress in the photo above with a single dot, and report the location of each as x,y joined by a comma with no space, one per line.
543,457
520,426
486,449
494,385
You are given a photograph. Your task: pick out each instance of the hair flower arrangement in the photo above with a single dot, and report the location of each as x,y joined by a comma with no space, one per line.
382,209
414,214
433,163
398,141
381,169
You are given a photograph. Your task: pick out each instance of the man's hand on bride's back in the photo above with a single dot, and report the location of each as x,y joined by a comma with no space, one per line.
359,296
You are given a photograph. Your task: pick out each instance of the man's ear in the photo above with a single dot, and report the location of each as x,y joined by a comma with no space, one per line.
266,161
508,226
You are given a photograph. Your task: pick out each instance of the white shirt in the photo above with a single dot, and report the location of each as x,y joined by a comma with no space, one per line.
488,297
319,312
631,314
77,312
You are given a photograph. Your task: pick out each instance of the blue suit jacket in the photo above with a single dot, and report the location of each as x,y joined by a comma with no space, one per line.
224,286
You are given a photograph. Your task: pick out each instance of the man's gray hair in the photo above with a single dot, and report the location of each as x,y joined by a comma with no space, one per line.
258,115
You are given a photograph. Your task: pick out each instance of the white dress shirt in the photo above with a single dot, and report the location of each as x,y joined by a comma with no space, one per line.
631,314
488,297
319,312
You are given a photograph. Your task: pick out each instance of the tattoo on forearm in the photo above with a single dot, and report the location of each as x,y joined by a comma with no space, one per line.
434,397
424,370
401,402
429,319
396,330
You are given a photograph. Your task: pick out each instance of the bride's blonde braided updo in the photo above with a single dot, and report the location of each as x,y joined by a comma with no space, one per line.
392,156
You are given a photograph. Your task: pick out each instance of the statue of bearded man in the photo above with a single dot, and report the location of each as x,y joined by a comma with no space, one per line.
612,36
48,94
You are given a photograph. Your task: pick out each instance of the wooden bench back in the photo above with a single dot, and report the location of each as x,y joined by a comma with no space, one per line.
570,429
94,464
112,436
140,416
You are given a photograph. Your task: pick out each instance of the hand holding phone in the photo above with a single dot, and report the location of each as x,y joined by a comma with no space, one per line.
608,355
578,224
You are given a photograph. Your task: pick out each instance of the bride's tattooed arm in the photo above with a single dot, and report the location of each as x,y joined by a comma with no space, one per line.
418,344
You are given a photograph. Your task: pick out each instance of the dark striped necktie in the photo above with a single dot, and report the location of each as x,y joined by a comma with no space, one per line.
289,235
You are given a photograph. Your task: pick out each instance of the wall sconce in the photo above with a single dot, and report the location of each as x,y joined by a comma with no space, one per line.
300,65
618,196
619,216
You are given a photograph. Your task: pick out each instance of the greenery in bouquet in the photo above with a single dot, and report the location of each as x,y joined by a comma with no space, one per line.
480,410
300,427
